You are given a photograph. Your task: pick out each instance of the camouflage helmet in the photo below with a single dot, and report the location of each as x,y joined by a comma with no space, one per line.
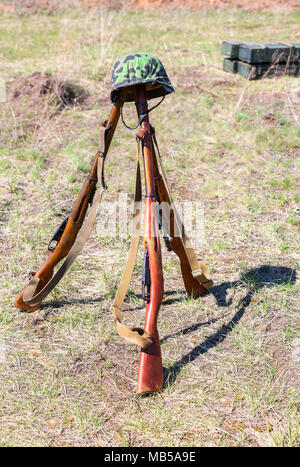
140,68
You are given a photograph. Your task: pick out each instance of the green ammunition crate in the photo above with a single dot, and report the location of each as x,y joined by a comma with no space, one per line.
264,53
253,61
230,65
231,49
267,70
295,52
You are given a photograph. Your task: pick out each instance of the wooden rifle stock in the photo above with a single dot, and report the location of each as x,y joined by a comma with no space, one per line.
150,374
74,221
174,241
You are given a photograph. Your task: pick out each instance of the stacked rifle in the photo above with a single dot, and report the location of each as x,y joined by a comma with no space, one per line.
136,78
256,61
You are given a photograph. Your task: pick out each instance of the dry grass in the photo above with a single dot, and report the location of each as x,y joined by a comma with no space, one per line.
230,359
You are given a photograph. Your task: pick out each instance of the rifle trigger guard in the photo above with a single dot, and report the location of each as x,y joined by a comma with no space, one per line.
58,234
146,277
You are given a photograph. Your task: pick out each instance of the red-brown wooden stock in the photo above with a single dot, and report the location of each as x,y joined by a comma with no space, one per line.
192,286
75,220
150,373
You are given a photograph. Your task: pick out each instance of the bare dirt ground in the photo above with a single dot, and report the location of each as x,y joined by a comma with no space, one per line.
33,88
51,6
258,5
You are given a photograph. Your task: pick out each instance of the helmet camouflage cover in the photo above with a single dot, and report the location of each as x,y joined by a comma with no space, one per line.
140,68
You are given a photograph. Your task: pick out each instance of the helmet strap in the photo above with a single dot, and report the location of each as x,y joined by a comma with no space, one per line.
142,116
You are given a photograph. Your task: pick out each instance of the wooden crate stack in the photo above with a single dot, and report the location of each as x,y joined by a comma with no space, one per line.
256,61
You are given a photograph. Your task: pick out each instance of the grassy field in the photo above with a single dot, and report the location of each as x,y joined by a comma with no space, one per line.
231,359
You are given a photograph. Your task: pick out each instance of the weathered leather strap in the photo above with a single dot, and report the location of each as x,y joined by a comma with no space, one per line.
198,268
76,249
81,239
133,334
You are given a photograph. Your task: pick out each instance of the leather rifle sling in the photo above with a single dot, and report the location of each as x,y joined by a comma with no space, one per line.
198,268
133,334
80,241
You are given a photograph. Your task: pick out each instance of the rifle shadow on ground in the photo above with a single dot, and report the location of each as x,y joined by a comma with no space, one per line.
253,280
55,304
